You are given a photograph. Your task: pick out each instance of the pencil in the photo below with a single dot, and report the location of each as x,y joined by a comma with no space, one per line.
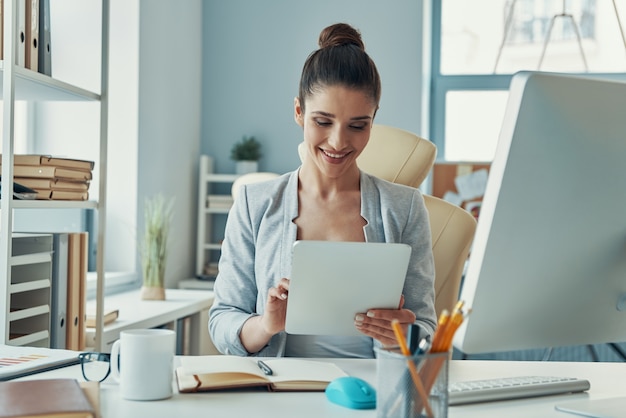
442,323
395,324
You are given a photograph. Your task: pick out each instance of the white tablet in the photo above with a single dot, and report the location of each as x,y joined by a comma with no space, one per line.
333,281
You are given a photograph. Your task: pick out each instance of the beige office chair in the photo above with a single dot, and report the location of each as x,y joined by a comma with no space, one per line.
452,228
250,178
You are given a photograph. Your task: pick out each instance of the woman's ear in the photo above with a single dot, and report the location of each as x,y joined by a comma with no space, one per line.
297,112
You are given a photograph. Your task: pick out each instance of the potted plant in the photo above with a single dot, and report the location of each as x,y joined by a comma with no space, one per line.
246,153
153,248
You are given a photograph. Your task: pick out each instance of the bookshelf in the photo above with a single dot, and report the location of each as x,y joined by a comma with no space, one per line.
19,83
210,205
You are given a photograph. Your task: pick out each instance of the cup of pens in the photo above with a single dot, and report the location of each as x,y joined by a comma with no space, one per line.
412,379
411,386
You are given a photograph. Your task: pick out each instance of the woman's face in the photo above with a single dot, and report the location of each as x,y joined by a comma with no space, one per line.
336,123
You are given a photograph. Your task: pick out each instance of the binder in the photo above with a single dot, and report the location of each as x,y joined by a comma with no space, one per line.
20,51
58,307
45,57
1,29
73,292
82,305
32,35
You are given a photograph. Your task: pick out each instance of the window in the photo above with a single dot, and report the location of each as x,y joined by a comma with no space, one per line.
479,45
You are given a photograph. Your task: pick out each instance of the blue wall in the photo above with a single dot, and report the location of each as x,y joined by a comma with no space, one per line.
253,52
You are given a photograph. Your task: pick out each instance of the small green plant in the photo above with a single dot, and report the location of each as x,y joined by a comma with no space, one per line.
158,215
248,149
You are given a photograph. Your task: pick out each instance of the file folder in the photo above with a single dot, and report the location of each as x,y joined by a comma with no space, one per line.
45,57
60,257
20,51
73,292
32,35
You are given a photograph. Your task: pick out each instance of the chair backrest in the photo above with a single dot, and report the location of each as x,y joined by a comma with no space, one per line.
402,157
395,155
250,178
452,229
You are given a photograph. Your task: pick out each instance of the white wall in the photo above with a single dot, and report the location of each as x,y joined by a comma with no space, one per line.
253,54
170,71
154,116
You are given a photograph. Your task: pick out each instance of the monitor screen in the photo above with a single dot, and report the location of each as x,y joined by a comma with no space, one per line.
548,263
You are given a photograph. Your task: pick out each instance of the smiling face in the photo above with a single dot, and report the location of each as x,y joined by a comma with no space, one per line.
336,121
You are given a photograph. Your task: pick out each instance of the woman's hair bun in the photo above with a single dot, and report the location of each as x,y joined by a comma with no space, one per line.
340,34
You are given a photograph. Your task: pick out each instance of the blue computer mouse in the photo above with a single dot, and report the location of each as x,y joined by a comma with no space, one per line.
351,392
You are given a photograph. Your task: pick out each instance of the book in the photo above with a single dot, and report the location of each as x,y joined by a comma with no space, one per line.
53,184
61,195
48,160
109,316
45,398
50,172
216,372
219,201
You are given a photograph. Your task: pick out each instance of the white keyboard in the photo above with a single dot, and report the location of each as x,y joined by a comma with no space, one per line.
512,388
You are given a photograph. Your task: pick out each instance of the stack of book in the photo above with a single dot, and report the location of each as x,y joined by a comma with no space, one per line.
216,201
53,178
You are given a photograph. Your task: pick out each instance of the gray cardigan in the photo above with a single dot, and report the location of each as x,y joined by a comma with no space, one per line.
256,252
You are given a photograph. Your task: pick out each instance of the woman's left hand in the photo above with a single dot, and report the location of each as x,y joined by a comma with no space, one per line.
376,323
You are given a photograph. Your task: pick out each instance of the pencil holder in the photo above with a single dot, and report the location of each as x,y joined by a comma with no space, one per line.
411,386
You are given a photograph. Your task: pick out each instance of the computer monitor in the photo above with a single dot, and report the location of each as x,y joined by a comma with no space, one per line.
548,263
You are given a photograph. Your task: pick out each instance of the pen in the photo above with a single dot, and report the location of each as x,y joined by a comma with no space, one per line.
263,366
412,369
413,337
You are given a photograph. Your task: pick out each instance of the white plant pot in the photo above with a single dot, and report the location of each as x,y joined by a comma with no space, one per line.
245,167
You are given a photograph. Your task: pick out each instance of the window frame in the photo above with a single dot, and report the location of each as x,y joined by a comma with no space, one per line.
441,84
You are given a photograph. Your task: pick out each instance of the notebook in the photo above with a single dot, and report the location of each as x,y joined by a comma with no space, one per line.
333,281
216,372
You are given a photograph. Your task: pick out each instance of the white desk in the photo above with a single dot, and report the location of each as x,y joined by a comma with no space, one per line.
171,312
607,380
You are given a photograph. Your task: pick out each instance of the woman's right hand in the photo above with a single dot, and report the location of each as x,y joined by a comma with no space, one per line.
273,319
258,330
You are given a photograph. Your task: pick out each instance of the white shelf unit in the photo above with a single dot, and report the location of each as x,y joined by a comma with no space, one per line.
19,83
210,205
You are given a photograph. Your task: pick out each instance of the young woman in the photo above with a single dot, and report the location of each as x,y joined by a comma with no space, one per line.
326,198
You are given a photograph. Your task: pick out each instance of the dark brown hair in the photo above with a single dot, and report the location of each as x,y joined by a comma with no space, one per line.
340,60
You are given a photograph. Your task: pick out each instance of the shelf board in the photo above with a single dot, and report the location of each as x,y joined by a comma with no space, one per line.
53,204
28,312
31,85
27,286
29,338
20,260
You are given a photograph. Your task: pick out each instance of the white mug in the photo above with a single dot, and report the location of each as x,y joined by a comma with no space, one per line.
142,361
